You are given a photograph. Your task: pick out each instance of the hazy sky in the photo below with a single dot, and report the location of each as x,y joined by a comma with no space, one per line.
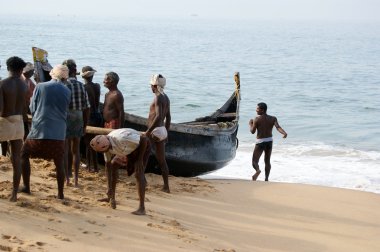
229,9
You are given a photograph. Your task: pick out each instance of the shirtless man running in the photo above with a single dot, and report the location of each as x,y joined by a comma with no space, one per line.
264,124
158,124
13,92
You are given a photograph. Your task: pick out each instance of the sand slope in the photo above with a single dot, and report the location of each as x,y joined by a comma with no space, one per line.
199,215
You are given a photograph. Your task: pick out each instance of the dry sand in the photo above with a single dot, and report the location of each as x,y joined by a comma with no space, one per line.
199,215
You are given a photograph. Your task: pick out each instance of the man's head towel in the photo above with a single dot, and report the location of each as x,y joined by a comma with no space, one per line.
59,72
159,81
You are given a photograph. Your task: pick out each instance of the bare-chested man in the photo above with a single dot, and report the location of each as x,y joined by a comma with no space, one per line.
113,115
95,119
264,124
158,124
13,92
27,73
113,111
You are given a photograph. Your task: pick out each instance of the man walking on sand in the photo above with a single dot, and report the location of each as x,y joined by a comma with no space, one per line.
264,124
13,94
158,124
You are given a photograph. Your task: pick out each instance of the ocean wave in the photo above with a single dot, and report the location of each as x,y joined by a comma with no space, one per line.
316,164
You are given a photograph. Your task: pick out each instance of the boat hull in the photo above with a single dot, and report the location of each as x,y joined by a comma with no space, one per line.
190,155
192,150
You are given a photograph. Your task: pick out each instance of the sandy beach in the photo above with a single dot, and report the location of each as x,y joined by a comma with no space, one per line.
199,215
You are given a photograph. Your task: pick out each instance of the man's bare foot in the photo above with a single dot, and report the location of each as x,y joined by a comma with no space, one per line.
165,189
13,198
139,212
254,177
113,203
24,190
107,199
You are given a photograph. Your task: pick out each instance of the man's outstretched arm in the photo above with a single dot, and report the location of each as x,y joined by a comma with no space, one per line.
279,129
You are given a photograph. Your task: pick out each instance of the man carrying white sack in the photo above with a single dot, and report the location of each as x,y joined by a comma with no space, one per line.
158,124
124,147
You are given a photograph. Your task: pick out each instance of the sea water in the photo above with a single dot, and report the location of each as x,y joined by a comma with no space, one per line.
320,79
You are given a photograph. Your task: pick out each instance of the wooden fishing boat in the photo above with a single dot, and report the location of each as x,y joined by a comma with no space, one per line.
196,147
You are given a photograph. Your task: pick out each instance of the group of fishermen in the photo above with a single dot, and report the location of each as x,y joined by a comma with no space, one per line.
61,109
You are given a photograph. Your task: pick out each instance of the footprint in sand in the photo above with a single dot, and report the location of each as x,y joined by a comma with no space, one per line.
40,243
6,237
94,223
55,220
95,233
5,248
224,250
62,238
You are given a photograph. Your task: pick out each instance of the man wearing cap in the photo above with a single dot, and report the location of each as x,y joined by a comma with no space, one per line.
46,139
12,102
124,147
158,124
95,118
77,118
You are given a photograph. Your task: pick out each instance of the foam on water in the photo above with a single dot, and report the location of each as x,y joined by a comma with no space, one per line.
316,164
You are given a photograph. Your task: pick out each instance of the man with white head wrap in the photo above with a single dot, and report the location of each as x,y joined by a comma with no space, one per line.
159,81
46,139
158,124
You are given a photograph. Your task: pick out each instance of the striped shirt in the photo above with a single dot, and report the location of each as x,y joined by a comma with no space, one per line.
79,98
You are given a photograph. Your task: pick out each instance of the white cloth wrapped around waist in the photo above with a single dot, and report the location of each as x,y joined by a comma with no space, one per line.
11,128
262,140
160,133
